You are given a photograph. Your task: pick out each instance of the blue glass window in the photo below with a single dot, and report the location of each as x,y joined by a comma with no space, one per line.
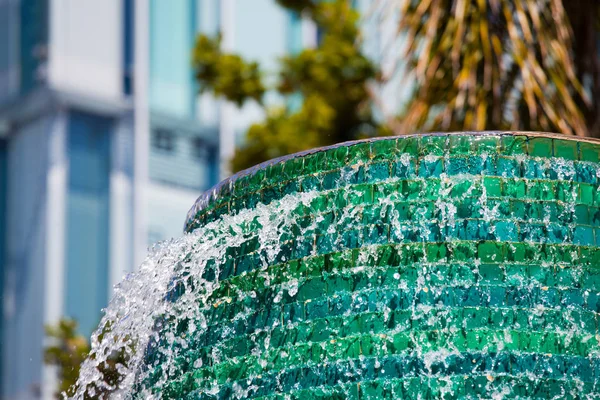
87,246
172,34
128,45
34,40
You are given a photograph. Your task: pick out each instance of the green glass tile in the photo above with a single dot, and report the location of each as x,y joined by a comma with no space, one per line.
461,189
359,153
431,189
257,180
589,152
567,149
434,145
490,252
409,145
463,251
294,168
469,207
513,145
338,157
493,187
436,252
383,149
586,194
274,173
514,188
460,144
412,190
312,163
541,190
540,147
486,144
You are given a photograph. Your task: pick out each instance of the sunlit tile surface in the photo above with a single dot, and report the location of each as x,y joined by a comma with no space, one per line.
418,267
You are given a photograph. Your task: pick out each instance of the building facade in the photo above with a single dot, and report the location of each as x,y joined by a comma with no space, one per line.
104,146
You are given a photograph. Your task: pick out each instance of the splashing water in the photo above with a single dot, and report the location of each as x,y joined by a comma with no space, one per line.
411,274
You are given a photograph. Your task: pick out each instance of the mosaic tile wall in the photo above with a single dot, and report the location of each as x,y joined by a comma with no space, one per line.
439,266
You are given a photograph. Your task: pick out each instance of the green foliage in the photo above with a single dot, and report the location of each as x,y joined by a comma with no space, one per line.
331,80
68,352
229,74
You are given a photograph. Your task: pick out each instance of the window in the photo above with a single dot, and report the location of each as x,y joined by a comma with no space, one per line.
163,139
200,149
88,211
128,32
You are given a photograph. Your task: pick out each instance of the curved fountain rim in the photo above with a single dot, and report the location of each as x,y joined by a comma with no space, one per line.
209,195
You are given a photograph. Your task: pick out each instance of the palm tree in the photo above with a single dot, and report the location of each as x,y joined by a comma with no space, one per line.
499,64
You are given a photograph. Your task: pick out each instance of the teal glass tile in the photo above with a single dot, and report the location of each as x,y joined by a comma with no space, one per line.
509,167
269,194
490,164
558,233
506,231
457,165
310,183
585,173
378,171
431,167
534,169
582,215
331,179
289,187
404,168
583,235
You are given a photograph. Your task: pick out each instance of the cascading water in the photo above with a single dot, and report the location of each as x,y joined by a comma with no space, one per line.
428,266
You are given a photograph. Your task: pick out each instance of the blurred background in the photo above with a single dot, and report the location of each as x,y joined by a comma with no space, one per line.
115,115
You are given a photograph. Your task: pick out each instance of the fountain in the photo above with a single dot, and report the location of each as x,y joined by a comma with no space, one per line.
426,266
